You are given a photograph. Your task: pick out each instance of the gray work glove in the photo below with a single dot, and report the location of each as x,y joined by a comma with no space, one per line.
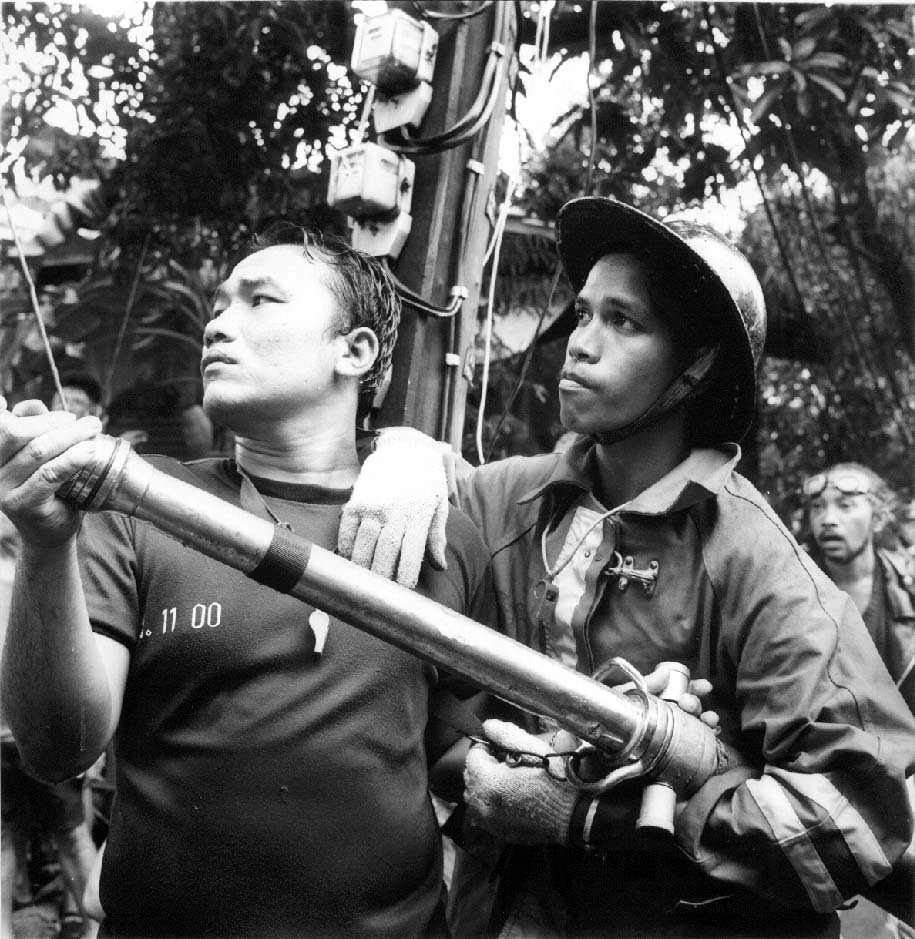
397,513
519,804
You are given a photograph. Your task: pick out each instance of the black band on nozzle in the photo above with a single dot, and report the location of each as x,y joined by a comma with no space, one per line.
101,477
284,563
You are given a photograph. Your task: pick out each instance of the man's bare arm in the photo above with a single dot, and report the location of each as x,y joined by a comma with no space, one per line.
62,687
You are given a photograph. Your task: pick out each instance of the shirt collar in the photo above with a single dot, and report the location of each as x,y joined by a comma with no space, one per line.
701,475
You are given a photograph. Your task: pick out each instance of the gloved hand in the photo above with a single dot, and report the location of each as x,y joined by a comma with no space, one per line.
397,513
519,804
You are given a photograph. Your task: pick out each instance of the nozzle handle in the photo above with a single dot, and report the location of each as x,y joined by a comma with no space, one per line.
659,799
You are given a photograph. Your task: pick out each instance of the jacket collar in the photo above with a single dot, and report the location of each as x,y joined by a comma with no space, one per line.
701,475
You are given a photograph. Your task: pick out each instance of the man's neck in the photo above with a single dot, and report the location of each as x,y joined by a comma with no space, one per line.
325,457
630,466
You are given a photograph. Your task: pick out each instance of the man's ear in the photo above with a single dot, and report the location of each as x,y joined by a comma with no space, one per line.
360,352
882,517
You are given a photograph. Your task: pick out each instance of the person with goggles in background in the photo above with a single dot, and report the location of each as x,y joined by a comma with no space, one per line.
848,509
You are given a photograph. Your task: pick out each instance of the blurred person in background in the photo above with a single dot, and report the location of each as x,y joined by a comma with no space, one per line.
82,396
849,508
850,513
905,525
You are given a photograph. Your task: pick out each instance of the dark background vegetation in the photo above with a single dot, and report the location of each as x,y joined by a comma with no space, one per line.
215,107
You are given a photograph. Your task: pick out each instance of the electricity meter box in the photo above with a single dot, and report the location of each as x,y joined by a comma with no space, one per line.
381,238
407,108
370,181
394,52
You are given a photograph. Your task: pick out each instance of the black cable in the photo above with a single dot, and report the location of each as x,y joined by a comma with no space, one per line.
417,302
478,113
474,169
466,15
592,105
528,358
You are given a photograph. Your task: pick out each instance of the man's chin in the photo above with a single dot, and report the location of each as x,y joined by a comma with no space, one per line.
579,422
220,407
834,551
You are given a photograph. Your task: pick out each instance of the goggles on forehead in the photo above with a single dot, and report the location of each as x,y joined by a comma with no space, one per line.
849,484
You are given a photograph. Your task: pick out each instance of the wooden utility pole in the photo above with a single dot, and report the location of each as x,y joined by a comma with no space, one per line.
433,360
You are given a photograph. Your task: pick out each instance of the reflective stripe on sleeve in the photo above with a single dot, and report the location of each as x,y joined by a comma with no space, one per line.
822,863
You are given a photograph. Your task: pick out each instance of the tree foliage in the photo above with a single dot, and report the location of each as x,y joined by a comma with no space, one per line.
223,113
202,120
812,107
808,90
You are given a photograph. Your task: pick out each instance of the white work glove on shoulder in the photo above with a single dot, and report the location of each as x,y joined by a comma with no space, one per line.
519,804
399,506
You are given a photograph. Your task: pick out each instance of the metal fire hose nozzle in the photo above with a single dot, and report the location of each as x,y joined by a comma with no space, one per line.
659,799
650,735
680,752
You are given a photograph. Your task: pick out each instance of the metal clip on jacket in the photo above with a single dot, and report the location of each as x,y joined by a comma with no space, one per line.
626,571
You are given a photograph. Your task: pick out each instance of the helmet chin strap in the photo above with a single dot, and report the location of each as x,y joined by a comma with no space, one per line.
689,384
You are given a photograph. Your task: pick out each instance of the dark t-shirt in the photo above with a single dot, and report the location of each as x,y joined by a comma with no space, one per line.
262,788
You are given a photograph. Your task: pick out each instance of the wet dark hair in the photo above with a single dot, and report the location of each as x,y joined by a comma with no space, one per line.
363,289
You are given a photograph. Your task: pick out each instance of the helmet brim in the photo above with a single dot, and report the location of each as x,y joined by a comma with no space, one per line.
591,227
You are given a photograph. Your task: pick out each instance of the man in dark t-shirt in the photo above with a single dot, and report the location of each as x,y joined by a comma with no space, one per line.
272,762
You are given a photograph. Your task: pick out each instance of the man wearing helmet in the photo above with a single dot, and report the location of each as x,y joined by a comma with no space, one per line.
641,542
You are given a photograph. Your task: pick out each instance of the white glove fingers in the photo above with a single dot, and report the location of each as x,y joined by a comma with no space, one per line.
511,737
365,541
437,539
700,687
349,528
388,550
412,552
480,763
690,703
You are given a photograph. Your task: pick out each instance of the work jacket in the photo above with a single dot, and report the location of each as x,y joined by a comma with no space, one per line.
699,569
893,626
899,587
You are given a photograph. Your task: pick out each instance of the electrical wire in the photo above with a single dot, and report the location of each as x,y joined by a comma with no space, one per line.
33,296
487,343
477,115
475,169
366,113
592,104
436,15
528,358
542,42
496,70
128,309
479,111
419,303
538,38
